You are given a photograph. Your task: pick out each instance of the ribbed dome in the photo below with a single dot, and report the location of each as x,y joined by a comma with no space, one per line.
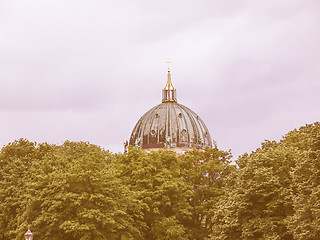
170,124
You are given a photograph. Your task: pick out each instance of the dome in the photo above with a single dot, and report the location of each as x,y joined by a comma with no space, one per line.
170,124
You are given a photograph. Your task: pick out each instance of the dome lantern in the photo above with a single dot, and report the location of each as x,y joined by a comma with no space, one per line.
169,92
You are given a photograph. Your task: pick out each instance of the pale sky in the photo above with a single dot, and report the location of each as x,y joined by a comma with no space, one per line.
87,70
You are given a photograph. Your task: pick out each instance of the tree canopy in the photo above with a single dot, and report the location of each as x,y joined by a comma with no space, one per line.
79,191
274,194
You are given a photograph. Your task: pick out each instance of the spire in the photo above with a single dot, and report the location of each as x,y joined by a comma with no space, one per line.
169,85
169,92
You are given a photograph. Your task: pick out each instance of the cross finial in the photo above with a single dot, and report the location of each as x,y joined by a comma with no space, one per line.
168,62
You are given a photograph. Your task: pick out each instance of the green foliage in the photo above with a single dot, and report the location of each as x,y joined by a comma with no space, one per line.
78,191
274,194
64,192
15,161
305,222
161,192
178,193
205,173
258,197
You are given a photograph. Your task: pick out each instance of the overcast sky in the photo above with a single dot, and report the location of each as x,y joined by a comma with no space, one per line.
87,70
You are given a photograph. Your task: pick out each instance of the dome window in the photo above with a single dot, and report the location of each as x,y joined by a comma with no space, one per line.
184,137
153,132
157,115
180,115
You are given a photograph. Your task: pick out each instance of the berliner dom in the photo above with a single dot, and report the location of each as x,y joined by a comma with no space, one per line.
171,125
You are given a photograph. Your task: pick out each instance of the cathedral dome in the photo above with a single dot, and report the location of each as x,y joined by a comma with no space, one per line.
171,125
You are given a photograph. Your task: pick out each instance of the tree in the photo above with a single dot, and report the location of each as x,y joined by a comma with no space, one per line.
177,193
161,192
258,198
65,192
15,161
274,194
79,191
205,173
305,222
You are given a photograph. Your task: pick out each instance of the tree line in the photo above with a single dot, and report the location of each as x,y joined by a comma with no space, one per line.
79,191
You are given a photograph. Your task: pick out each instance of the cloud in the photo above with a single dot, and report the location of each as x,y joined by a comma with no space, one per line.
84,70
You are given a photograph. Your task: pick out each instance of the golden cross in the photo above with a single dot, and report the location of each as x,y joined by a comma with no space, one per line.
168,62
